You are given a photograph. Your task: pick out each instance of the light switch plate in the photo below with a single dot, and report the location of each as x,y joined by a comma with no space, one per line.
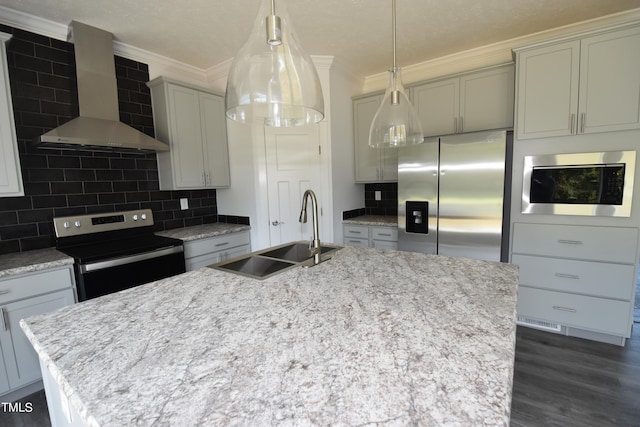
378,195
184,204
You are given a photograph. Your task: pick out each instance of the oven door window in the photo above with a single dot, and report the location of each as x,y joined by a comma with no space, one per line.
583,184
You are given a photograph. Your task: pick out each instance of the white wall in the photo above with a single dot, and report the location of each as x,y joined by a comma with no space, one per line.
244,197
347,195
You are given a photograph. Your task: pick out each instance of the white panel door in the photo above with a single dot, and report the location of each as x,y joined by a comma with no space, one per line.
293,166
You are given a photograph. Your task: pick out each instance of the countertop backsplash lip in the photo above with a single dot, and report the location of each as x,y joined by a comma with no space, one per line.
203,231
373,220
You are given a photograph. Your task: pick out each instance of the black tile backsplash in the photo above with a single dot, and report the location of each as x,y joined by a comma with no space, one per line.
57,182
387,206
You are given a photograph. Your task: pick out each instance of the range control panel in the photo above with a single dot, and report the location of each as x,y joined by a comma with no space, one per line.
88,224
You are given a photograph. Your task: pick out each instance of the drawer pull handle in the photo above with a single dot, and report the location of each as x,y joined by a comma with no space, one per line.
570,242
384,234
561,308
5,291
567,276
221,244
355,232
354,241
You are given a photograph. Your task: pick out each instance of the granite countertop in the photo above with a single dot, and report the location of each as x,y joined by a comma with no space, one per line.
26,262
368,337
203,231
378,220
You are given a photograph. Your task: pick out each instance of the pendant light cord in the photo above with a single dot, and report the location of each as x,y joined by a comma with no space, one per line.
273,6
393,31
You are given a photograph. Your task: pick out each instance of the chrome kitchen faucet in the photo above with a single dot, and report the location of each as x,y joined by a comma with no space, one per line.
314,244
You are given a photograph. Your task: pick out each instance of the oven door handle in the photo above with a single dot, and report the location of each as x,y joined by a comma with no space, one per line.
101,265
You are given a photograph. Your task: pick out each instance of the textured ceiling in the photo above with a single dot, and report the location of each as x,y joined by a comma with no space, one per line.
205,33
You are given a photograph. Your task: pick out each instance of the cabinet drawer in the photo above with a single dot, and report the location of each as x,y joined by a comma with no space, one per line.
214,244
609,244
384,233
36,283
358,231
582,277
385,244
352,241
596,314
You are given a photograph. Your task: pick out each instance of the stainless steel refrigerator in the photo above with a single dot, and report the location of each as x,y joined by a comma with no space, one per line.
453,195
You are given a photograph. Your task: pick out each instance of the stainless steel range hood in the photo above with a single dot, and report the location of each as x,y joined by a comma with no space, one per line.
98,127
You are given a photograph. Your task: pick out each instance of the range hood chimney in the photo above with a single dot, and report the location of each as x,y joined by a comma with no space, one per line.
98,127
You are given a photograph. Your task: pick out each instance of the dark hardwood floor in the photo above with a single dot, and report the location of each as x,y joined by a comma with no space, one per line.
566,381
558,381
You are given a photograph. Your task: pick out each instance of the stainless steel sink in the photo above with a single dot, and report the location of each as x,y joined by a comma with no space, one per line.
255,266
269,262
296,252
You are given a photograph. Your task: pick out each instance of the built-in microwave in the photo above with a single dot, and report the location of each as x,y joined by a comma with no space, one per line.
591,184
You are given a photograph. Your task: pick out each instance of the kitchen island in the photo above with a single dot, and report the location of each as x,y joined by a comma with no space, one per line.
367,337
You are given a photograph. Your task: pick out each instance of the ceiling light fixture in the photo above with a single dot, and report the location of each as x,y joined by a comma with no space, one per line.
396,123
272,80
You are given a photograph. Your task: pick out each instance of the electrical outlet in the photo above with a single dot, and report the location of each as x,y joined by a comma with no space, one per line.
184,204
378,195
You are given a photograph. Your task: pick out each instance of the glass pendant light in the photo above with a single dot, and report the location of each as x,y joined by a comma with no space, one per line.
272,80
396,123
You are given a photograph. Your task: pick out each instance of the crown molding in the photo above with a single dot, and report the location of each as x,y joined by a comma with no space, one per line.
496,53
158,64
34,24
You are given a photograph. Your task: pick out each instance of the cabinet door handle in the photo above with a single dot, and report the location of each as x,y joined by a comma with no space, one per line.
583,118
567,309
572,123
570,242
221,244
567,276
5,323
5,291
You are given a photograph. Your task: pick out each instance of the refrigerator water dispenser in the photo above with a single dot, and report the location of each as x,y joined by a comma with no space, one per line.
417,217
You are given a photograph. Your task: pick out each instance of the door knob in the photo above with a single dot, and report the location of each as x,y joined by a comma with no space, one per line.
276,223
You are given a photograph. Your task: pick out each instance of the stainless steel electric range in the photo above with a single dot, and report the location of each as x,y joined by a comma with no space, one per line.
117,251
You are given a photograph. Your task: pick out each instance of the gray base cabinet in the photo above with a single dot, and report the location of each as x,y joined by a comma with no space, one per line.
203,252
371,236
576,277
20,297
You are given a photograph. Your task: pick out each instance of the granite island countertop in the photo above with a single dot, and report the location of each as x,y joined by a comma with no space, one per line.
369,337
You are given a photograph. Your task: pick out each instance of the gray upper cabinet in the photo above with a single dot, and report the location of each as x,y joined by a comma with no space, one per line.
579,86
193,122
372,164
10,175
471,102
